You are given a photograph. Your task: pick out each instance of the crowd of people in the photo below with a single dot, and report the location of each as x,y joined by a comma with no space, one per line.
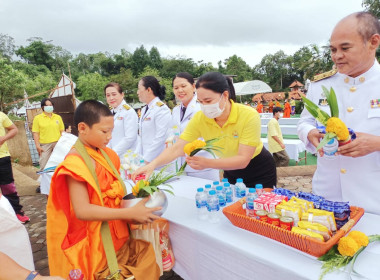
86,188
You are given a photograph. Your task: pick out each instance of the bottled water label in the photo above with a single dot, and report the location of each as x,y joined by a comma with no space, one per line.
213,207
201,203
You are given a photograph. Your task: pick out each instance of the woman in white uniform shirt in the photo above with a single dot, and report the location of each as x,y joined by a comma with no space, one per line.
124,134
155,119
184,90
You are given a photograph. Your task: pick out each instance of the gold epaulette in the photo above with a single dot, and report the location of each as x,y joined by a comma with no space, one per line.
324,75
126,107
159,103
110,107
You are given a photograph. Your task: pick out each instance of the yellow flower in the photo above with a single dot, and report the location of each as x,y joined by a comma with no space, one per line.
136,188
360,238
335,125
347,246
189,147
196,144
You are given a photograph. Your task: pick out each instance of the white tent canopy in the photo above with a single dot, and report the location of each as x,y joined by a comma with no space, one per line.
251,87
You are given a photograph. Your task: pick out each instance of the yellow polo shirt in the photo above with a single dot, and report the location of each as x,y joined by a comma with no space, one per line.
274,130
243,126
49,128
4,123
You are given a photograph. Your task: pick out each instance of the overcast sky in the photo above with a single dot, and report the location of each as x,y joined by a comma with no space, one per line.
208,30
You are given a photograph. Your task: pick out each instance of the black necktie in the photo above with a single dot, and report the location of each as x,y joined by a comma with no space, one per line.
113,112
183,110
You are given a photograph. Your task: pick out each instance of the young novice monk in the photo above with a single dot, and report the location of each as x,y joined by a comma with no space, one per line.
75,208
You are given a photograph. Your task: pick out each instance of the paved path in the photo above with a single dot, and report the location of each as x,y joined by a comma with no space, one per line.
34,207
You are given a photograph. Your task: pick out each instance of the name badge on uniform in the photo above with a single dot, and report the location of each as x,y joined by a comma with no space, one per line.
119,118
147,119
323,102
375,103
235,134
57,122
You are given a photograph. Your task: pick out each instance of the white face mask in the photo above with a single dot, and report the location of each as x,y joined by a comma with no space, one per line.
213,110
48,109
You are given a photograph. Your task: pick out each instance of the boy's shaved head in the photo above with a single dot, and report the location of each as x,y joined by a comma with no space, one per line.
90,112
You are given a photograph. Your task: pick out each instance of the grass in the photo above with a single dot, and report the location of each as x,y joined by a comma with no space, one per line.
310,159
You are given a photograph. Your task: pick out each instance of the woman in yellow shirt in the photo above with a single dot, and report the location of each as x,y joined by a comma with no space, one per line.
238,128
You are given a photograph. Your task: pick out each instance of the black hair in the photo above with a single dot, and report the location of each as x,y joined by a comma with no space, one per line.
115,85
90,112
277,109
217,82
184,75
152,83
368,25
43,102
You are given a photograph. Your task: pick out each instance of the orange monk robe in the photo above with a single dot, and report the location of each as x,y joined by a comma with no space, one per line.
287,110
259,108
278,104
74,243
270,105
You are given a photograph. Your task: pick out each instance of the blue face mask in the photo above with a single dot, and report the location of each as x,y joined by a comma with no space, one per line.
48,109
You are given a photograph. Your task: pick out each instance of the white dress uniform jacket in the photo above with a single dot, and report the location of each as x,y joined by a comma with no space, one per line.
192,108
345,178
124,134
153,129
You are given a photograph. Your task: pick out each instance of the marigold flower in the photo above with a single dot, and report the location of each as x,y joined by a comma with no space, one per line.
189,147
198,144
335,125
360,238
347,246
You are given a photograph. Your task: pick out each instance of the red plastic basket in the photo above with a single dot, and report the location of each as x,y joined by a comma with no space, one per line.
236,214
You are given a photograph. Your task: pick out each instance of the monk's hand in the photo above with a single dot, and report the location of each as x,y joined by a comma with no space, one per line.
198,163
146,170
364,144
314,138
144,215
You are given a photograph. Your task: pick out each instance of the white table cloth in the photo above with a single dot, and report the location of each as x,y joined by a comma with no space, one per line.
223,251
282,121
292,146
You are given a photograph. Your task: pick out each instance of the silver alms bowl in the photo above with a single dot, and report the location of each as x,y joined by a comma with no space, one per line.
157,199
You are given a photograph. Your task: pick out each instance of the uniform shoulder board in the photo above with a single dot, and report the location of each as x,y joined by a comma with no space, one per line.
126,107
159,103
110,107
325,75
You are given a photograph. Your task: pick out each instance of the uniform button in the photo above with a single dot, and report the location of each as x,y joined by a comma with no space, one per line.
346,80
352,89
350,109
343,171
362,79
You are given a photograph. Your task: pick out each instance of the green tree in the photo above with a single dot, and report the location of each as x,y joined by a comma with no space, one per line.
37,53
372,6
7,46
155,58
319,61
203,67
172,65
235,65
128,83
139,60
91,86
12,83
166,82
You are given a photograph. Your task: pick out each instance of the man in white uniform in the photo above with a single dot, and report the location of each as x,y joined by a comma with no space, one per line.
353,174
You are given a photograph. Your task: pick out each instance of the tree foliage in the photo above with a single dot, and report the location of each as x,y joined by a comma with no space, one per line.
7,46
372,6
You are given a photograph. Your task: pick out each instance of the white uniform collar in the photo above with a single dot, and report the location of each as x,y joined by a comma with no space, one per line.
118,108
372,72
153,102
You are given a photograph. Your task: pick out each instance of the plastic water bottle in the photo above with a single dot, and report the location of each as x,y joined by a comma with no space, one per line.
207,189
221,196
76,274
224,180
228,192
259,189
213,207
330,149
215,184
201,203
251,196
240,188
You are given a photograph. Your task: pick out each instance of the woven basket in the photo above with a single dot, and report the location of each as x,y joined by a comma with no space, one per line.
236,214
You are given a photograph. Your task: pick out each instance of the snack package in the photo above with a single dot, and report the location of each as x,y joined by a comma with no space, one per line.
322,217
290,210
307,233
317,228
306,205
162,226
